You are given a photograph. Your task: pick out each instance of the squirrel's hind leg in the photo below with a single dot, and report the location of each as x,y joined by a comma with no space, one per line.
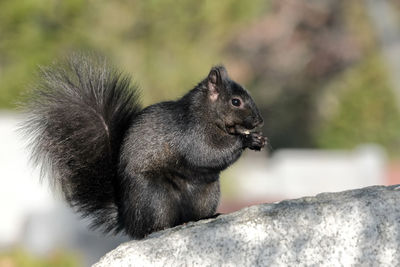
147,206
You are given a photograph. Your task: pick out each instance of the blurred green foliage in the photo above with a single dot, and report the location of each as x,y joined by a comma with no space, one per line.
21,258
360,106
363,109
31,33
165,44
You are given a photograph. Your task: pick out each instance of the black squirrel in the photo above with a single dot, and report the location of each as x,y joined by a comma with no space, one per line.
130,169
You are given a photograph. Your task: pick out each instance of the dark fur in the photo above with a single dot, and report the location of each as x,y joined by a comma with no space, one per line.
134,170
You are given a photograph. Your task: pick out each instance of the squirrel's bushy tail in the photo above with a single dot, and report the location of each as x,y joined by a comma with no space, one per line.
77,118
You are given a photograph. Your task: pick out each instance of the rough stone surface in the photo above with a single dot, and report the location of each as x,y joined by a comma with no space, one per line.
358,227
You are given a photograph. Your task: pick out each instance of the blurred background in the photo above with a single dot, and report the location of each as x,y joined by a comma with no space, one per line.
324,73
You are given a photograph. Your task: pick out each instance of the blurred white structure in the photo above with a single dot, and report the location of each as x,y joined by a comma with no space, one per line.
20,193
293,173
31,216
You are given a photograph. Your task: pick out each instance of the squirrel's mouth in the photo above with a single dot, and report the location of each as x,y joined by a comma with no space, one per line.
240,130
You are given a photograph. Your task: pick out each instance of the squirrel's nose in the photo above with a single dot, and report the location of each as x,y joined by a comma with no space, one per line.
258,121
253,121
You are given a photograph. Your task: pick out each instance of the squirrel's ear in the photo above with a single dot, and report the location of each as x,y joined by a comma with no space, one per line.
214,80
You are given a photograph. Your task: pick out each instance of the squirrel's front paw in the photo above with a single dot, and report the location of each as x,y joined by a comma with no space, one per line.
254,141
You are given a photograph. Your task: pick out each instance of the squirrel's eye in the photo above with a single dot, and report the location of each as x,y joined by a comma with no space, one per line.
236,102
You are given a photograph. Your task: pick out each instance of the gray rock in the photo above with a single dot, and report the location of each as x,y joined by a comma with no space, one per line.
357,227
